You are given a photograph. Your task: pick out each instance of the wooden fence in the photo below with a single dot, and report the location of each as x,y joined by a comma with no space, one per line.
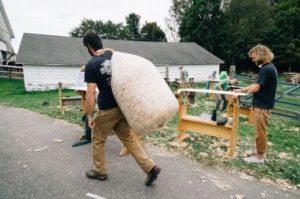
11,72
290,98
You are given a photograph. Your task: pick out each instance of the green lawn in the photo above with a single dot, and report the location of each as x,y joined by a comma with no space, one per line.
284,134
12,93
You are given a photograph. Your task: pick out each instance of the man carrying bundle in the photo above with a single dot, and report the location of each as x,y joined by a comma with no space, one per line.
109,117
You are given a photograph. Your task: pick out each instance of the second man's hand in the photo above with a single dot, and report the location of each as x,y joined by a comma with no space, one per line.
92,122
238,90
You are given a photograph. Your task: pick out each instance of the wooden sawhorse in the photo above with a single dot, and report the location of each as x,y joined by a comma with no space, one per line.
65,101
247,111
206,127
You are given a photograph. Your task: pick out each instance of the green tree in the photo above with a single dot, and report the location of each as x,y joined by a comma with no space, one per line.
107,30
110,30
248,23
131,31
203,23
152,32
85,25
133,26
286,34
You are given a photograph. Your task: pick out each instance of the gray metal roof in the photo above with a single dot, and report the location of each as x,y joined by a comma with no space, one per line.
37,49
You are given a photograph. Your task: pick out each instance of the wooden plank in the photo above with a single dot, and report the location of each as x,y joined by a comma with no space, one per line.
204,127
68,102
72,98
211,91
9,66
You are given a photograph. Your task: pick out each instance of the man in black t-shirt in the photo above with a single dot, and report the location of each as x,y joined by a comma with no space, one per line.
109,117
264,91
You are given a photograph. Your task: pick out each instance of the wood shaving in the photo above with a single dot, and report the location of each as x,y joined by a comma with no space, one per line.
246,177
57,141
237,196
221,185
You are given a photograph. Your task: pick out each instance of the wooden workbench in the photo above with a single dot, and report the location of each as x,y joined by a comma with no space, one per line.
207,127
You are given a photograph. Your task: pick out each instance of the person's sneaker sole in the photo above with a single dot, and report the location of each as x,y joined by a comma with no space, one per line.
153,177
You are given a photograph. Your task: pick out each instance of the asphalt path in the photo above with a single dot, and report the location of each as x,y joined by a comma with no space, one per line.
35,164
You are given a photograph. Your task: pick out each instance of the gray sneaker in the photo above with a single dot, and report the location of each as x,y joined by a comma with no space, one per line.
253,159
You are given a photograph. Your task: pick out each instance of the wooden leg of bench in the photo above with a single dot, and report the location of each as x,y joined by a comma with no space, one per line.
234,130
62,107
60,98
251,116
182,112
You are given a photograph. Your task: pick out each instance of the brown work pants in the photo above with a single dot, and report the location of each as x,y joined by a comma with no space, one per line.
113,119
261,117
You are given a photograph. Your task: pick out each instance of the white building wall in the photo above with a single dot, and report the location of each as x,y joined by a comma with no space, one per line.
199,72
41,78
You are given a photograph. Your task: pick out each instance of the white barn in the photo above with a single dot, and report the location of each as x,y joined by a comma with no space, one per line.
48,59
6,34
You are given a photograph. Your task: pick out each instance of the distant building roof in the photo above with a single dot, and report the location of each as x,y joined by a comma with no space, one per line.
37,49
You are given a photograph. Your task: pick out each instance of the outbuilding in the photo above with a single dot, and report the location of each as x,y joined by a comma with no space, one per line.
49,59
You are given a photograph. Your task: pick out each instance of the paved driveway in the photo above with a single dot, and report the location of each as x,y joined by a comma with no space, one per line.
33,166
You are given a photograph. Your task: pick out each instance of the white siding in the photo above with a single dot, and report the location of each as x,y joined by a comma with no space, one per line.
5,36
39,78
4,32
199,72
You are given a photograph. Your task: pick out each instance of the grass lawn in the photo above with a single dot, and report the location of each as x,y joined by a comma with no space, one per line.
283,134
12,93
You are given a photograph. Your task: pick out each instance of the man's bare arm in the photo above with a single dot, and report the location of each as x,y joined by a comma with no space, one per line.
90,99
253,88
220,86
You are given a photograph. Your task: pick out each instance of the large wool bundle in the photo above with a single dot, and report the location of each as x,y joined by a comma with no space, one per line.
141,93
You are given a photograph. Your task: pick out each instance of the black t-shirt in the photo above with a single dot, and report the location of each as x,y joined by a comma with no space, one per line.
98,70
267,78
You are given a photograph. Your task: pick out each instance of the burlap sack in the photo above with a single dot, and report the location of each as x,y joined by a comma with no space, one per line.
141,93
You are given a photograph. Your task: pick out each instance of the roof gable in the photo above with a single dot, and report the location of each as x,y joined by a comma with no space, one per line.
59,50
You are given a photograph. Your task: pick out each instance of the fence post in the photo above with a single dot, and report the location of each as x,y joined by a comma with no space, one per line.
9,73
232,71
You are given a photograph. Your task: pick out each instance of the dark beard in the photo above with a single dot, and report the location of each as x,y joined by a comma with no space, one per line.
90,52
